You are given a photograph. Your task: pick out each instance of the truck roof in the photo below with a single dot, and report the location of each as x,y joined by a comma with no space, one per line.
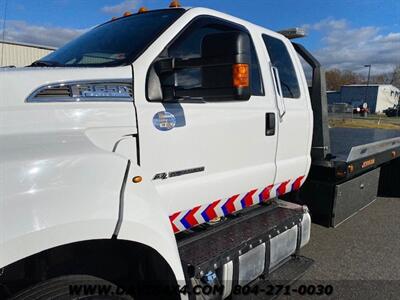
212,12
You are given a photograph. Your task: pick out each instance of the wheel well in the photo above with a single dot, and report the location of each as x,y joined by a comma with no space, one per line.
127,264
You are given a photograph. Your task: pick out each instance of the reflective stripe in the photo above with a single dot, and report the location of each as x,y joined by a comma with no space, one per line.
265,194
209,213
297,183
187,219
229,206
282,188
248,199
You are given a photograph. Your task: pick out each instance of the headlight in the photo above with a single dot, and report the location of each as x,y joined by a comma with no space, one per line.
99,90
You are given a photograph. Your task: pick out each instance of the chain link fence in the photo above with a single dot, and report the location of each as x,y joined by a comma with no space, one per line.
340,111
345,115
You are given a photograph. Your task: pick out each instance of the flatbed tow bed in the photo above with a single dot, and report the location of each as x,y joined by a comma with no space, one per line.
344,139
357,151
350,167
337,189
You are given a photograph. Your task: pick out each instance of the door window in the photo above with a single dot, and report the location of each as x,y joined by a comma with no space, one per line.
280,58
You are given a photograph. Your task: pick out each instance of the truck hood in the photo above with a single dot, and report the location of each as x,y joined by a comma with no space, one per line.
20,118
16,84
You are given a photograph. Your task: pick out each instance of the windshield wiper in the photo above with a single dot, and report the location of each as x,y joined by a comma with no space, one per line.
45,63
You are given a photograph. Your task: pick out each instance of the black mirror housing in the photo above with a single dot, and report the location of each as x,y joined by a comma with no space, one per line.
234,47
221,55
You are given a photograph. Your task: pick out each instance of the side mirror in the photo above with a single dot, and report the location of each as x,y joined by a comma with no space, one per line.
222,71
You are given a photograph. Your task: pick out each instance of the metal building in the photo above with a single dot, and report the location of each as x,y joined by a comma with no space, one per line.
377,96
21,54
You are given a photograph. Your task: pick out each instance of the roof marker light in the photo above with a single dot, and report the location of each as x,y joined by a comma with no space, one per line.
142,10
127,13
175,4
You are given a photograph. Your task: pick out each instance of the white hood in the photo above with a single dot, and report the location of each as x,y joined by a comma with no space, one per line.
16,84
19,117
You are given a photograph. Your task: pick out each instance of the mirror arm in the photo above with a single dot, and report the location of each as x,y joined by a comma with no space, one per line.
174,94
200,92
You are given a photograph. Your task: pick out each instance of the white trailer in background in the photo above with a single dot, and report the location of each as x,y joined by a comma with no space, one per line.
21,54
378,96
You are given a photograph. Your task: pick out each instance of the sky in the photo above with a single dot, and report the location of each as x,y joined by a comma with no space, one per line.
344,34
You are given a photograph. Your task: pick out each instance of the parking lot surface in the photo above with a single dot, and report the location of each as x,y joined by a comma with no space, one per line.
361,257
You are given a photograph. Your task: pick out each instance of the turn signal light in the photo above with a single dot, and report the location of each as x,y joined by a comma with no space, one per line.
241,75
142,10
127,13
175,4
394,154
350,168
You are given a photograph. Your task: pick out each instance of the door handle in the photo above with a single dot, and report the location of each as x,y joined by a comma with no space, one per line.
270,124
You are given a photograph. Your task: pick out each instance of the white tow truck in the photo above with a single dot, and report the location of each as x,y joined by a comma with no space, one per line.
148,154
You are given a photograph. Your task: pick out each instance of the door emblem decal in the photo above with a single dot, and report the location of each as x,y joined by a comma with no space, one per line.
164,175
164,121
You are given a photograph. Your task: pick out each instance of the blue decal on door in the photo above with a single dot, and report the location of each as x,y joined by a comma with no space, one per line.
164,121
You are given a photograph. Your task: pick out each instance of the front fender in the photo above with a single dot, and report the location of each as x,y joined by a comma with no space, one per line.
55,189
145,220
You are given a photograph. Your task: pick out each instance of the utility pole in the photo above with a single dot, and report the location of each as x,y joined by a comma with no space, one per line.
366,88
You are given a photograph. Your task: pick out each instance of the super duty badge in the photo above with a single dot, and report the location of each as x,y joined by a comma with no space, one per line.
164,175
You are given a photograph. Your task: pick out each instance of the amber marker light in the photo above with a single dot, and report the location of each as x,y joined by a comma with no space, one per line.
127,13
142,10
350,168
340,174
137,179
175,4
241,75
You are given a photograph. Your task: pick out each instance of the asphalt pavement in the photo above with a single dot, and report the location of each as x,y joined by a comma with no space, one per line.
360,258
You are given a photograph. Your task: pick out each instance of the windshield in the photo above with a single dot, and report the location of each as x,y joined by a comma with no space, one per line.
118,42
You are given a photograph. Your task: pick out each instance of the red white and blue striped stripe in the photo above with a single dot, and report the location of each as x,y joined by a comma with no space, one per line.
187,219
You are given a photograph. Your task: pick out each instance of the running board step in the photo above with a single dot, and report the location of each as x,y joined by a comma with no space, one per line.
275,230
270,287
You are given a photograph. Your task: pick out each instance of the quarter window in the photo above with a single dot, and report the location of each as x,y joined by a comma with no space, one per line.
280,58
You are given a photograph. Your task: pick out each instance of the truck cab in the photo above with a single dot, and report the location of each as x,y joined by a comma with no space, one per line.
151,151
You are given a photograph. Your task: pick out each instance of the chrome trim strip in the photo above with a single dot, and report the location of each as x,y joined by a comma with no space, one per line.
361,151
126,81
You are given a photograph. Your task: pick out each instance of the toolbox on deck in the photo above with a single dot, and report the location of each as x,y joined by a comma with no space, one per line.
332,203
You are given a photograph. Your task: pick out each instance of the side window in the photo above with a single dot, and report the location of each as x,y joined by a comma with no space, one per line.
280,58
188,45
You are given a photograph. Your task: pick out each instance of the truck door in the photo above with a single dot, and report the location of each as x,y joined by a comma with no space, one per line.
213,158
295,114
